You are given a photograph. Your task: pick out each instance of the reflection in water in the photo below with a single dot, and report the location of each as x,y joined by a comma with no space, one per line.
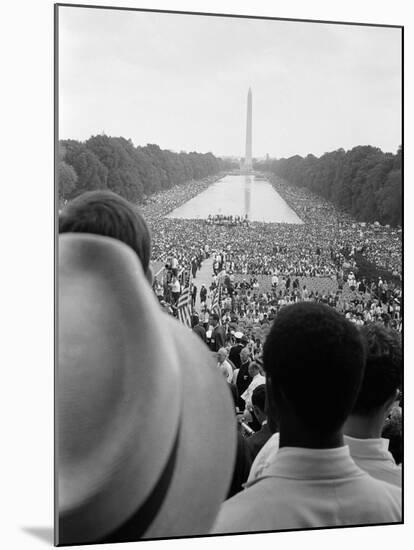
247,196
238,195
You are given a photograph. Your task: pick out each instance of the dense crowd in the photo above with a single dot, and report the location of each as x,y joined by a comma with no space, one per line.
227,220
381,244
313,393
266,266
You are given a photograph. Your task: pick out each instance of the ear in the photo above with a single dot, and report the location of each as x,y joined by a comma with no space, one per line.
149,274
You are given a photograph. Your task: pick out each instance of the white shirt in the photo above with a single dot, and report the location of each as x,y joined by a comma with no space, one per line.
263,457
257,380
304,488
175,286
373,456
226,370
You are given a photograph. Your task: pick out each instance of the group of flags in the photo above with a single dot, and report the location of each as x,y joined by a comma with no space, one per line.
216,302
185,304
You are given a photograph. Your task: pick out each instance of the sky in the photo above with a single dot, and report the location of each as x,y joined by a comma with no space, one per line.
181,81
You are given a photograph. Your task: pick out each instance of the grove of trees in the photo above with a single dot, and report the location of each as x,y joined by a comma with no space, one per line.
364,181
104,162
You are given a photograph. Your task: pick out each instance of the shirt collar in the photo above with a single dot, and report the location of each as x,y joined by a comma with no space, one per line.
368,448
304,463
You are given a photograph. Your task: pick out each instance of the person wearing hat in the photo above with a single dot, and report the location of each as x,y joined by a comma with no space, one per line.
126,469
314,361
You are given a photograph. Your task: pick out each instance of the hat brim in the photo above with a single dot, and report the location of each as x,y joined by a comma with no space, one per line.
207,445
166,472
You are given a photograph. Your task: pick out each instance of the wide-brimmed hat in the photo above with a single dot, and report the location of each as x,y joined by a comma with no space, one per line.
145,430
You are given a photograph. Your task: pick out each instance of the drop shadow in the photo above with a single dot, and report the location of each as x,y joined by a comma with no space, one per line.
43,533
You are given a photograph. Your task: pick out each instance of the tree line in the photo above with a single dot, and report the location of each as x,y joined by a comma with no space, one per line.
364,181
114,163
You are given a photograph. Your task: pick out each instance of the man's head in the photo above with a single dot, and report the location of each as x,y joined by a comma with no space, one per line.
108,214
214,319
383,370
253,369
259,402
222,355
244,355
314,362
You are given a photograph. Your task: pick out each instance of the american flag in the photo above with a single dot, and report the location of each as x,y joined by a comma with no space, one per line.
184,306
216,302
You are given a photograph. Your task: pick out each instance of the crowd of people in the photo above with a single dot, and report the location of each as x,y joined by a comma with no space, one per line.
309,351
381,244
227,220
267,266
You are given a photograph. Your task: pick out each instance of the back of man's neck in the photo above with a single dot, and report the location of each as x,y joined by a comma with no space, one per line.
364,427
310,440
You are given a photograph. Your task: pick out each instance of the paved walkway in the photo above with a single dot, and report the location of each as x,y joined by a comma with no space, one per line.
203,276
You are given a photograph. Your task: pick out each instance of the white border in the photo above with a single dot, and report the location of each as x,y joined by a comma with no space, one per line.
27,265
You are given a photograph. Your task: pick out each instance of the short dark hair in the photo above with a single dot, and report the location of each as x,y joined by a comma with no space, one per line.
106,213
259,397
383,370
315,358
255,365
215,316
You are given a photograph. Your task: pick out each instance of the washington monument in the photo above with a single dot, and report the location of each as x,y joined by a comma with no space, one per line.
248,155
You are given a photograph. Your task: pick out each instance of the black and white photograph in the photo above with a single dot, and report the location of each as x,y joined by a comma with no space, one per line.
204,263
229,212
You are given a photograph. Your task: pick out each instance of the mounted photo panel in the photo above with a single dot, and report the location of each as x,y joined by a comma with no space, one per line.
229,274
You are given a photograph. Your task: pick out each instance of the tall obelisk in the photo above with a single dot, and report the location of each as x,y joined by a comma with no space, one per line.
248,156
